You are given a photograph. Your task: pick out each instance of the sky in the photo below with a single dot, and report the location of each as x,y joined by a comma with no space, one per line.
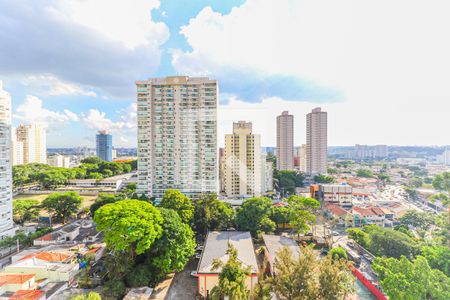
381,69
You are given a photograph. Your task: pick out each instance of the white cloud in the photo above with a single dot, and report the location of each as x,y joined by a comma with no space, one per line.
32,111
49,85
124,21
389,58
96,119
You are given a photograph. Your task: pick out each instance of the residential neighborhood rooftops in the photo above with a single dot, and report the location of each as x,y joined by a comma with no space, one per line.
49,256
15,278
27,295
335,210
217,244
274,243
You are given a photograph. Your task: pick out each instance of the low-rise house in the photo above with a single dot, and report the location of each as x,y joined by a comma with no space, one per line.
28,295
15,282
338,214
273,244
215,247
335,193
79,231
370,215
54,272
142,293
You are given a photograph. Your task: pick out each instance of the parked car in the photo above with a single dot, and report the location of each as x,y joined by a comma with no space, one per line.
194,274
351,245
198,255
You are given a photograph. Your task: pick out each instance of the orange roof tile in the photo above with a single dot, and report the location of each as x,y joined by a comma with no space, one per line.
15,278
27,295
48,256
336,210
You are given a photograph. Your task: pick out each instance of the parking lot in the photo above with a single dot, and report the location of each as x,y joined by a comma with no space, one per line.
184,286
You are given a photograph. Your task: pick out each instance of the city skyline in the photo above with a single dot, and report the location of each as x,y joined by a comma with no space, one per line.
358,72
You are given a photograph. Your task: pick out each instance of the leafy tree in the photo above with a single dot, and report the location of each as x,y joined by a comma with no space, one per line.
335,280
103,199
301,212
441,182
141,275
114,289
415,182
404,279
366,173
212,214
90,296
232,278
280,215
384,177
338,253
174,199
129,225
359,236
254,214
62,205
91,160
288,181
172,250
332,171
25,210
323,179
392,243
303,276
438,257
417,219
53,178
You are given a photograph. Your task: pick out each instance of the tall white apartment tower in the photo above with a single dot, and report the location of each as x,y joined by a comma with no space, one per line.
6,220
242,175
285,141
16,149
177,135
316,142
34,141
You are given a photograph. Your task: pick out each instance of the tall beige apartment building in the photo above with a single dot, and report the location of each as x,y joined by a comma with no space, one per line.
285,141
6,210
316,142
242,162
34,143
177,135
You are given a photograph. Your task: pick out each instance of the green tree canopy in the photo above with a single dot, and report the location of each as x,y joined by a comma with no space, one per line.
182,204
303,276
420,220
25,210
323,179
405,279
129,225
366,173
438,257
212,214
103,199
338,253
302,212
254,214
232,278
441,182
172,250
62,205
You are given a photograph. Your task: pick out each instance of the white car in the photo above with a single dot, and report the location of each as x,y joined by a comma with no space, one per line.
194,274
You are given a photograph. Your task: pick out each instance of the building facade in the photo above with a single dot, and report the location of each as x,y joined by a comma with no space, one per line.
316,142
34,141
266,175
6,217
58,160
177,135
16,149
104,148
285,141
242,162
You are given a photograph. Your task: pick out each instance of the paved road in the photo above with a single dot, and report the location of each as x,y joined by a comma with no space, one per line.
184,286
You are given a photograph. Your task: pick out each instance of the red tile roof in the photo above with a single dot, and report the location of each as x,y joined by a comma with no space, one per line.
27,295
336,210
15,278
48,256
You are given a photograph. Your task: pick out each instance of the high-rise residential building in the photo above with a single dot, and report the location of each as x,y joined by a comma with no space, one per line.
6,218
302,158
285,141
34,140
16,149
266,174
104,149
177,135
242,175
316,142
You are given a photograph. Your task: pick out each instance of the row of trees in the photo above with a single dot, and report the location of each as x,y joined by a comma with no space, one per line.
60,207
52,177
